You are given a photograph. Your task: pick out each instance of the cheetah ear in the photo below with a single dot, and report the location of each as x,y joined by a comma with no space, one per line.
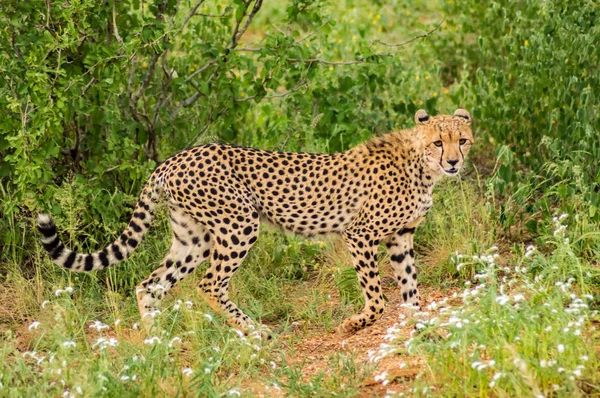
462,113
421,117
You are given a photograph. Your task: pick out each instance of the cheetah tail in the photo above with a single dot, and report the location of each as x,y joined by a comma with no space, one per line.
119,250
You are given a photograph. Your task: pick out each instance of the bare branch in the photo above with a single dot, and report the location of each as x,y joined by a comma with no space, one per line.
209,122
276,95
199,14
314,32
190,15
325,62
250,49
238,32
259,49
205,67
146,81
114,21
410,40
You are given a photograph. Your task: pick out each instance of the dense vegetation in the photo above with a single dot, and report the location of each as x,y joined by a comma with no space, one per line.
94,94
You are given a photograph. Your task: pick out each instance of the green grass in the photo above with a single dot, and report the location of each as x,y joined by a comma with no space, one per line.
533,313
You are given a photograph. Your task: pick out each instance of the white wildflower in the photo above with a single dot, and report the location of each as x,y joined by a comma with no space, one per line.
34,325
103,343
152,340
68,344
561,348
187,372
235,392
99,326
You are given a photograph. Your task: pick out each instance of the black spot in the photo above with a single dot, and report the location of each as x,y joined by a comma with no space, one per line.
70,260
247,230
132,242
117,252
52,244
103,258
397,258
134,226
89,262
188,259
58,251
47,229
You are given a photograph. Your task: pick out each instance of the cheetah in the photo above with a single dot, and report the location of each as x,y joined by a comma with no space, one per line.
217,194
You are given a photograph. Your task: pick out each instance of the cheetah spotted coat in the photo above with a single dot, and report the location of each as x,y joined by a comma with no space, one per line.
218,195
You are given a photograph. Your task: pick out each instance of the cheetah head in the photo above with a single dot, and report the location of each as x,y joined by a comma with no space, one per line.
448,139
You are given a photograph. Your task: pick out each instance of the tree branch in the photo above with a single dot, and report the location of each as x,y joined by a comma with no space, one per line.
325,62
410,40
276,95
238,32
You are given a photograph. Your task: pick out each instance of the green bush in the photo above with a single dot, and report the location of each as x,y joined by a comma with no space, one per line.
94,94
531,69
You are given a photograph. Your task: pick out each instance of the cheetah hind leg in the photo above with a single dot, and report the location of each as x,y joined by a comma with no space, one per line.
183,258
214,287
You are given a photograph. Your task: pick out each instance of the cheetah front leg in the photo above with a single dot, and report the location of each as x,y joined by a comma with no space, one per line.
364,260
402,258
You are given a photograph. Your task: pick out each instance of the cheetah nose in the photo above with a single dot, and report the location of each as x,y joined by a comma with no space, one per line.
452,162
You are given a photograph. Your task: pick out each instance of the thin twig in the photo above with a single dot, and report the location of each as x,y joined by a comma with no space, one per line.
314,32
238,32
325,62
410,40
199,14
276,95
210,121
190,15
250,49
259,49
205,67
114,21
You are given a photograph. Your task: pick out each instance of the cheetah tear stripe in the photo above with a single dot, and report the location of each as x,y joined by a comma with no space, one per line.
118,251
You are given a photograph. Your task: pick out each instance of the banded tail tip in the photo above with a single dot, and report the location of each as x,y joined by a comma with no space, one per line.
46,225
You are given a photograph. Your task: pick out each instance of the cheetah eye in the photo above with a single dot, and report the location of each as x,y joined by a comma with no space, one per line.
462,141
437,143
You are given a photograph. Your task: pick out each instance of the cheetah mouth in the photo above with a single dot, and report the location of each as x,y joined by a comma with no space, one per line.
452,171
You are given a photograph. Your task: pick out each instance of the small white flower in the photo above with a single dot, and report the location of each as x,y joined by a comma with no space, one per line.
99,326
135,326
152,340
34,325
273,365
585,358
117,322
187,372
561,348
103,343
189,304
68,344
502,300
45,303
234,391
124,378
174,340
209,317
